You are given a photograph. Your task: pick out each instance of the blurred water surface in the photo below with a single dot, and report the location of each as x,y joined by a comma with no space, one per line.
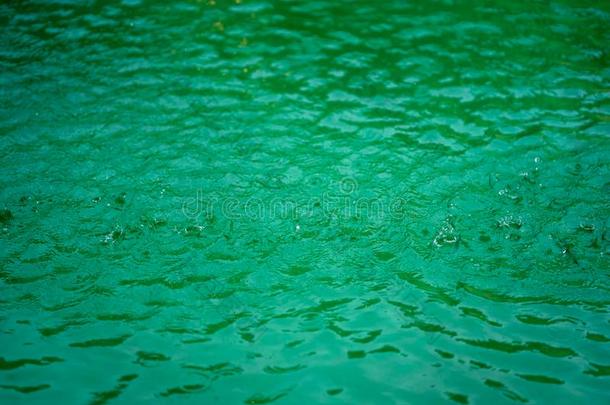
483,125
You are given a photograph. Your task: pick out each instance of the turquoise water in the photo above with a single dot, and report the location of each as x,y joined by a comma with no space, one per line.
302,202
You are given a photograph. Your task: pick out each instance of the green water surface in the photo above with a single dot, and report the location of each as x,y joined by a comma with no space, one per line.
365,202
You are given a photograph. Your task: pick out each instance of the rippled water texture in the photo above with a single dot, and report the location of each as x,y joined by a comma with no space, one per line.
304,201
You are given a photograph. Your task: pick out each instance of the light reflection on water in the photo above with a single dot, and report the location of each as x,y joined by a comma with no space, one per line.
410,201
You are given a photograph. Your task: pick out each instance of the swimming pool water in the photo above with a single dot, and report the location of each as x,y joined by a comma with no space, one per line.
302,202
